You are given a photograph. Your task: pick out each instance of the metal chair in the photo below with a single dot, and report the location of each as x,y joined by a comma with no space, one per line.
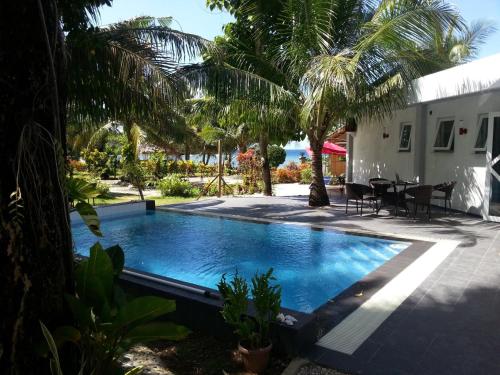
447,189
358,192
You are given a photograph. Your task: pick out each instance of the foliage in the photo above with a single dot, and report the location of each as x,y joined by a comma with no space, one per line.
250,167
213,189
286,176
102,189
76,165
253,331
306,176
292,172
135,173
454,45
207,169
155,166
80,190
277,155
96,161
106,323
327,62
175,185
131,69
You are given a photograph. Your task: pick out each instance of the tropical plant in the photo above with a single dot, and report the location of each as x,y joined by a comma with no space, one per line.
175,185
106,323
80,190
451,45
69,64
306,175
252,331
96,161
338,60
277,155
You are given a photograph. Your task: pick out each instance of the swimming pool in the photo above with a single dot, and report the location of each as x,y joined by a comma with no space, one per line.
311,265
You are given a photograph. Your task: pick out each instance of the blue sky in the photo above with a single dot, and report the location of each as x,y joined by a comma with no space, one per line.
194,17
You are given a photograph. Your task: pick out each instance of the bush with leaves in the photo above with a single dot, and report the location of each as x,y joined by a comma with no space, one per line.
80,190
276,155
175,185
96,161
213,189
306,175
252,331
106,323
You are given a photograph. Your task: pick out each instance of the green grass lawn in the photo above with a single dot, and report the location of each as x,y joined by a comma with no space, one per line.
122,198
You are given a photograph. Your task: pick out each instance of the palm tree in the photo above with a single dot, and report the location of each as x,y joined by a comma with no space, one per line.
451,46
36,261
346,59
131,76
128,69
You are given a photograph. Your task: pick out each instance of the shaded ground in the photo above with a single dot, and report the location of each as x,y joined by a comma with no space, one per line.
197,355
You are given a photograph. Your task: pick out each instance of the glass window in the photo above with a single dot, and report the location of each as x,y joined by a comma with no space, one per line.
482,134
405,137
445,135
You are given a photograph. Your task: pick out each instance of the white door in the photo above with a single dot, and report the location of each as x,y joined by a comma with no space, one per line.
492,192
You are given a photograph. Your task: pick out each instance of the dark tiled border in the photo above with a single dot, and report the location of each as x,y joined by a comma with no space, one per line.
338,308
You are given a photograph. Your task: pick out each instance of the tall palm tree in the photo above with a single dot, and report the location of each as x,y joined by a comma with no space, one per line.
128,69
345,59
451,46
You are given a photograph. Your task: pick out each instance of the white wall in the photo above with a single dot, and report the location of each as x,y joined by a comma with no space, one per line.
463,164
375,156
378,157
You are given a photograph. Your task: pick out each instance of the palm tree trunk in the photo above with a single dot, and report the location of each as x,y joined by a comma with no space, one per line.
318,195
187,151
266,169
36,258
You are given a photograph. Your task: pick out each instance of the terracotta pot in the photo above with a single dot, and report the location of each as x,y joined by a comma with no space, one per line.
255,360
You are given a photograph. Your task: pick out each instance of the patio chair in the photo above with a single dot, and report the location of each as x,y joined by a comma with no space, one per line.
420,196
447,189
358,192
378,190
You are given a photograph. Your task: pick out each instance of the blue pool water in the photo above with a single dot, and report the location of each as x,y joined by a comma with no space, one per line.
311,266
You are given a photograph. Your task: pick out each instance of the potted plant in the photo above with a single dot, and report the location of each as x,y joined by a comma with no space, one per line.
253,332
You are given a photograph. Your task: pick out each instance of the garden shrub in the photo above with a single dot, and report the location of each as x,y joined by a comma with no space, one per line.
285,176
276,155
175,185
306,175
76,165
102,188
207,169
96,161
213,189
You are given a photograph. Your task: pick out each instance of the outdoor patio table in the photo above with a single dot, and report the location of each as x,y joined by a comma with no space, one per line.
395,185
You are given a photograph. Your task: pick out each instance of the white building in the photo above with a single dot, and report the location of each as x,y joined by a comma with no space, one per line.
450,131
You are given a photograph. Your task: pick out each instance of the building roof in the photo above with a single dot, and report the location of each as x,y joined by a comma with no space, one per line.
471,78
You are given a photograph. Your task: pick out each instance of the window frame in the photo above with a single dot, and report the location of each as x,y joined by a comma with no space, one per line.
448,147
481,117
401,127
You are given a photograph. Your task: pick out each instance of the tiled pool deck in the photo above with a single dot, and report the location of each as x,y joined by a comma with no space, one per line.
449,325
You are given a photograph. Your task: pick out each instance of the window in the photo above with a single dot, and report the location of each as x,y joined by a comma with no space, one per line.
405,137
482,134
445,135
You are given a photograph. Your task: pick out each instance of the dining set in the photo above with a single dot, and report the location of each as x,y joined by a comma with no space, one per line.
398,194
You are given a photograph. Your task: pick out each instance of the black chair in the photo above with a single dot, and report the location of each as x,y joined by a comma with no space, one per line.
420,196
447,189
379,190
358,192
